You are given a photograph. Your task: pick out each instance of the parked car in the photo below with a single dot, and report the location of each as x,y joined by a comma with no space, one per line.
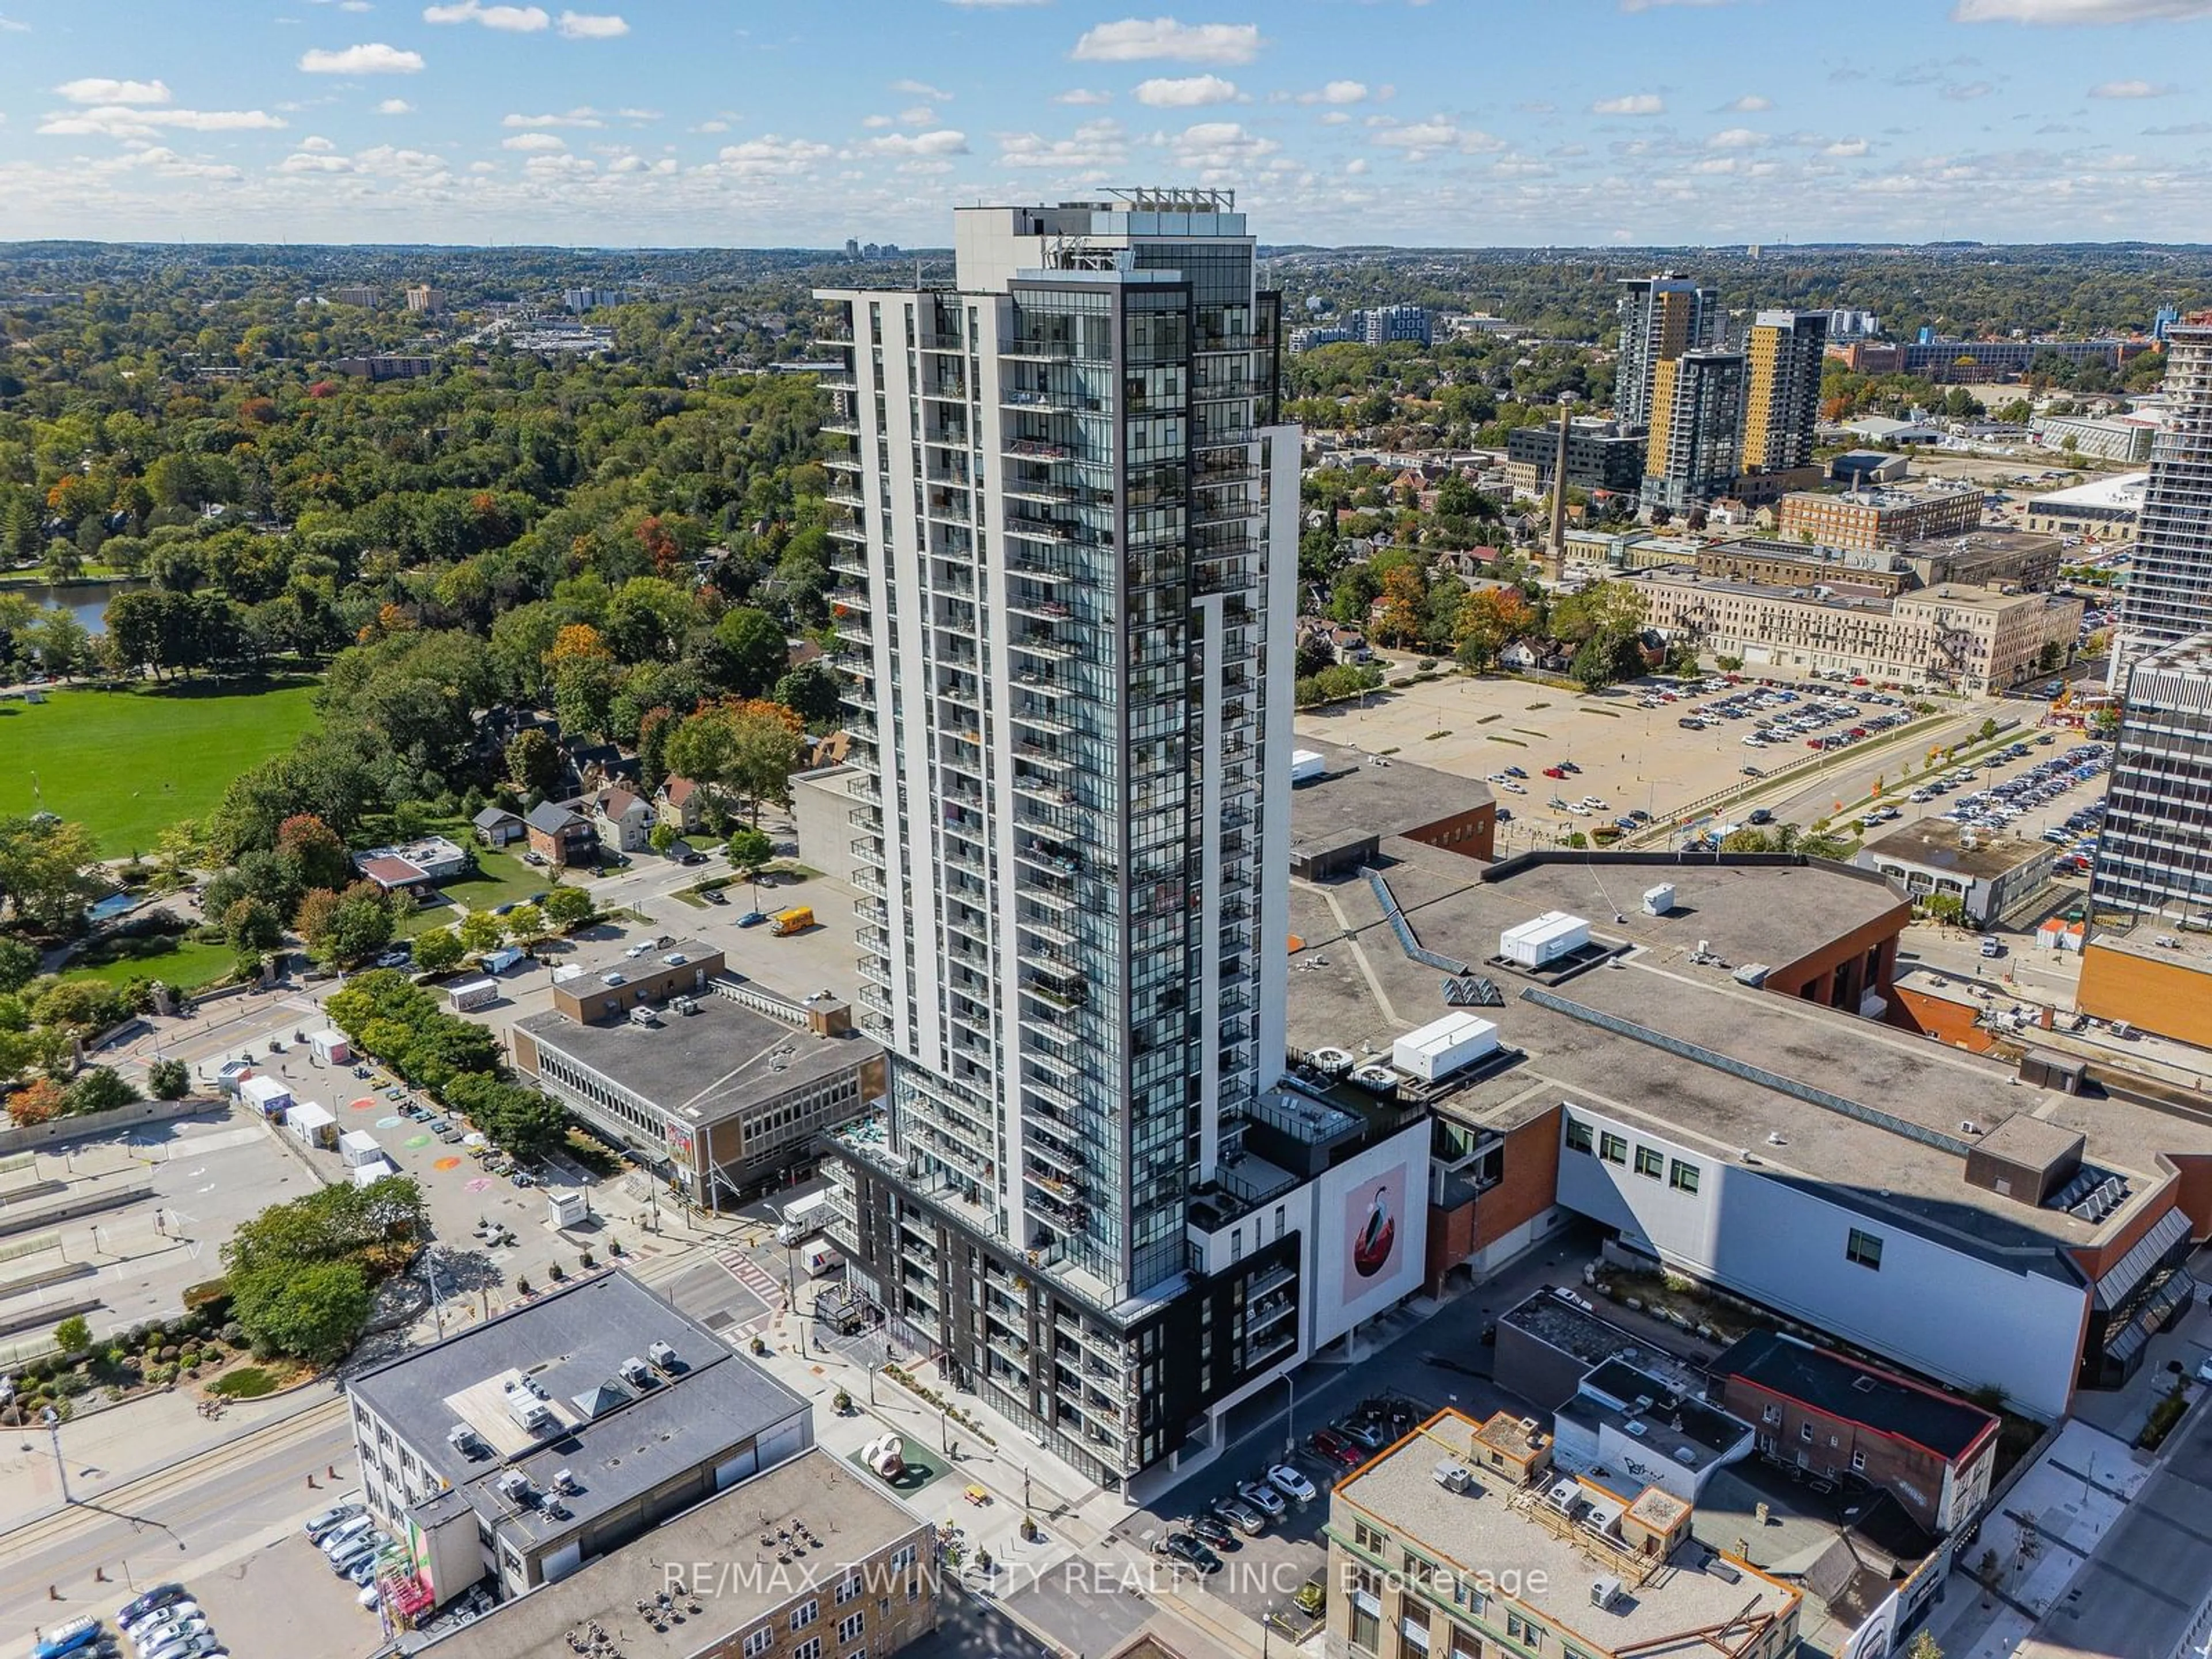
1292,1484
1181,1546
1310,1597
1335,1448
1263,1497
1240,1515
1212,1532
1358,1428
751,919
317,1529
163,1595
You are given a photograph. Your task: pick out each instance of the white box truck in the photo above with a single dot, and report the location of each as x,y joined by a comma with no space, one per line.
819,1258
803,1218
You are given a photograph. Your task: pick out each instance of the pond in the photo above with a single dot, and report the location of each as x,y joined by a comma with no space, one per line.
114,905
86,601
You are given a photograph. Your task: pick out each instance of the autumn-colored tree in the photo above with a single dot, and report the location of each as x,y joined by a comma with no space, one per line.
577,643
315,850
660,545
1489,620
37,1104
1400,607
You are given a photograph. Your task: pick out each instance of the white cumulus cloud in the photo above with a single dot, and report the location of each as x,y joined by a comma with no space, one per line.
1187,93
540,142
373,59
1846,148
128,121
1736,138
770,157
944,142
1634,103
96,90
2128,89
1439,133
395,106
1750,104
1337,92
515,19
1083,97
1137,40
582,116
592,26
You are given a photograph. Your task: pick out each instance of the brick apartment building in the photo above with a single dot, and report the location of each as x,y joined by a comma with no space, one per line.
1846,1422
1878,518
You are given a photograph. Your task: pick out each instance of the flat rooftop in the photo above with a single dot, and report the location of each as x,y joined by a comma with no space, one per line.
620,1439
2189,656
705,1066
1553,1318
1835,595
1976,854
1687,1073
2119,490
1677,1427
1365,794
854,1518
1841,1387
1487,1526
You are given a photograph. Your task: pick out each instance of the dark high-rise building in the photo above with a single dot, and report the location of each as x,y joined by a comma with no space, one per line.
2155,847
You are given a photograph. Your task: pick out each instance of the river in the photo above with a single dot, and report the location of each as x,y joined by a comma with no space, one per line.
87,601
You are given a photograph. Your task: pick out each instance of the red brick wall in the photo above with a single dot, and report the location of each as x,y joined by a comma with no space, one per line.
1913,1474
1472,832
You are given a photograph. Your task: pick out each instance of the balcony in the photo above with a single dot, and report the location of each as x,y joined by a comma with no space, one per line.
877,971
839,380
842,427
1037,350
935,340
1034,449
1025,489
843,461
844,530
1039,530
1044,643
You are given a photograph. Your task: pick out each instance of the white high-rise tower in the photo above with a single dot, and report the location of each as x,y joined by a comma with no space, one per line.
2168,596
1069,532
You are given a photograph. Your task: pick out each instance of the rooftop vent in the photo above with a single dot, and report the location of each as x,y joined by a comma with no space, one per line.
661,1354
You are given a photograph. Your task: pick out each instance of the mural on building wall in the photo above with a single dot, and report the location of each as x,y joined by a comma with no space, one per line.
1373,1217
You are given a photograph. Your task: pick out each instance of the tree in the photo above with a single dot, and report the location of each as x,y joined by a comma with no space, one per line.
661,837
518,1118
750,848
526,925
1400,609
37,1103
253,924
48,873
810,692
314,1312
1987,728
100,1090
1924,1646
480,932
752,652
73,1336
532,761
743,749
1489,620
565,907
19,964
168,1079
439,952
317,855
345,929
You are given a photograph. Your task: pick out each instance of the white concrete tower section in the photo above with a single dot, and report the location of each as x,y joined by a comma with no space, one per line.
1068,535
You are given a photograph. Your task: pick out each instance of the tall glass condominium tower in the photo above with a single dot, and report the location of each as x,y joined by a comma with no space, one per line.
1068,532
2168,597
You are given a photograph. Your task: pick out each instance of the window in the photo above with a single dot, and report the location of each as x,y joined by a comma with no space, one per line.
1805,1432
1366,1632
1612,1148
1865,1249
848,1590
1683,1177
849,1625
1526,1632
1465,1643
1415,1627
1770,1413
1651,1162
1578,1136
758,1643
809,1648
1858,1463
805,1614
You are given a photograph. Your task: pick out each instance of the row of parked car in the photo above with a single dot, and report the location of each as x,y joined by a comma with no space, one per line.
350,1542
163,1623
1253,1503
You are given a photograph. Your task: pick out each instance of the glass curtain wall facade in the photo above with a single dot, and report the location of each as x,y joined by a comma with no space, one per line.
1056,511
2154,846
2169,596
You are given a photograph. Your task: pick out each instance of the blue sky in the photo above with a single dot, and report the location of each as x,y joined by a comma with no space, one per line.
1452,122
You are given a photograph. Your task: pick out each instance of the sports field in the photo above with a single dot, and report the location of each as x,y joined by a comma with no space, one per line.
127,764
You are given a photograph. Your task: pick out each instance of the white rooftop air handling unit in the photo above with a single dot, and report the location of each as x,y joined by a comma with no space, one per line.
1660,899
1307,764
1444,1047
1543,940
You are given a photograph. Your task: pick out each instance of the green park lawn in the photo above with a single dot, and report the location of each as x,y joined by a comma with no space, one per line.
178,962
502,878
128,764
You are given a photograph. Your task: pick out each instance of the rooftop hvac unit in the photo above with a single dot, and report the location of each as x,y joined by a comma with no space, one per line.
662,1355
564,1480
1604,1590
512,1484
635,1370
1660,899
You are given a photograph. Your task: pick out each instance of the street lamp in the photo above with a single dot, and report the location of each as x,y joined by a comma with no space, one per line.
1290,1415
52,1419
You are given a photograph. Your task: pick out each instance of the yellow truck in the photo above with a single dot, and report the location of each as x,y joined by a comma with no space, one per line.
796,920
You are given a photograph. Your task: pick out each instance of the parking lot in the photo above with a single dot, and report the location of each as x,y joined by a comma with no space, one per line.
285,1600
2040,792
192,1181
1646,747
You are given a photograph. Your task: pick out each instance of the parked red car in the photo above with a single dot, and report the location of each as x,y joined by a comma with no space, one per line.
1555,772
1337,1449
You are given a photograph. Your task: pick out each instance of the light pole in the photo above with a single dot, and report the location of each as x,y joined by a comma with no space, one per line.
1290,1415
52,1419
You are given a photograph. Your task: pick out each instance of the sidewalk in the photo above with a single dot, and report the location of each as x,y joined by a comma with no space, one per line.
126,1442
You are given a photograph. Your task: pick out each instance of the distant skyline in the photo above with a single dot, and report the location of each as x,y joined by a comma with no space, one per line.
1461,123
